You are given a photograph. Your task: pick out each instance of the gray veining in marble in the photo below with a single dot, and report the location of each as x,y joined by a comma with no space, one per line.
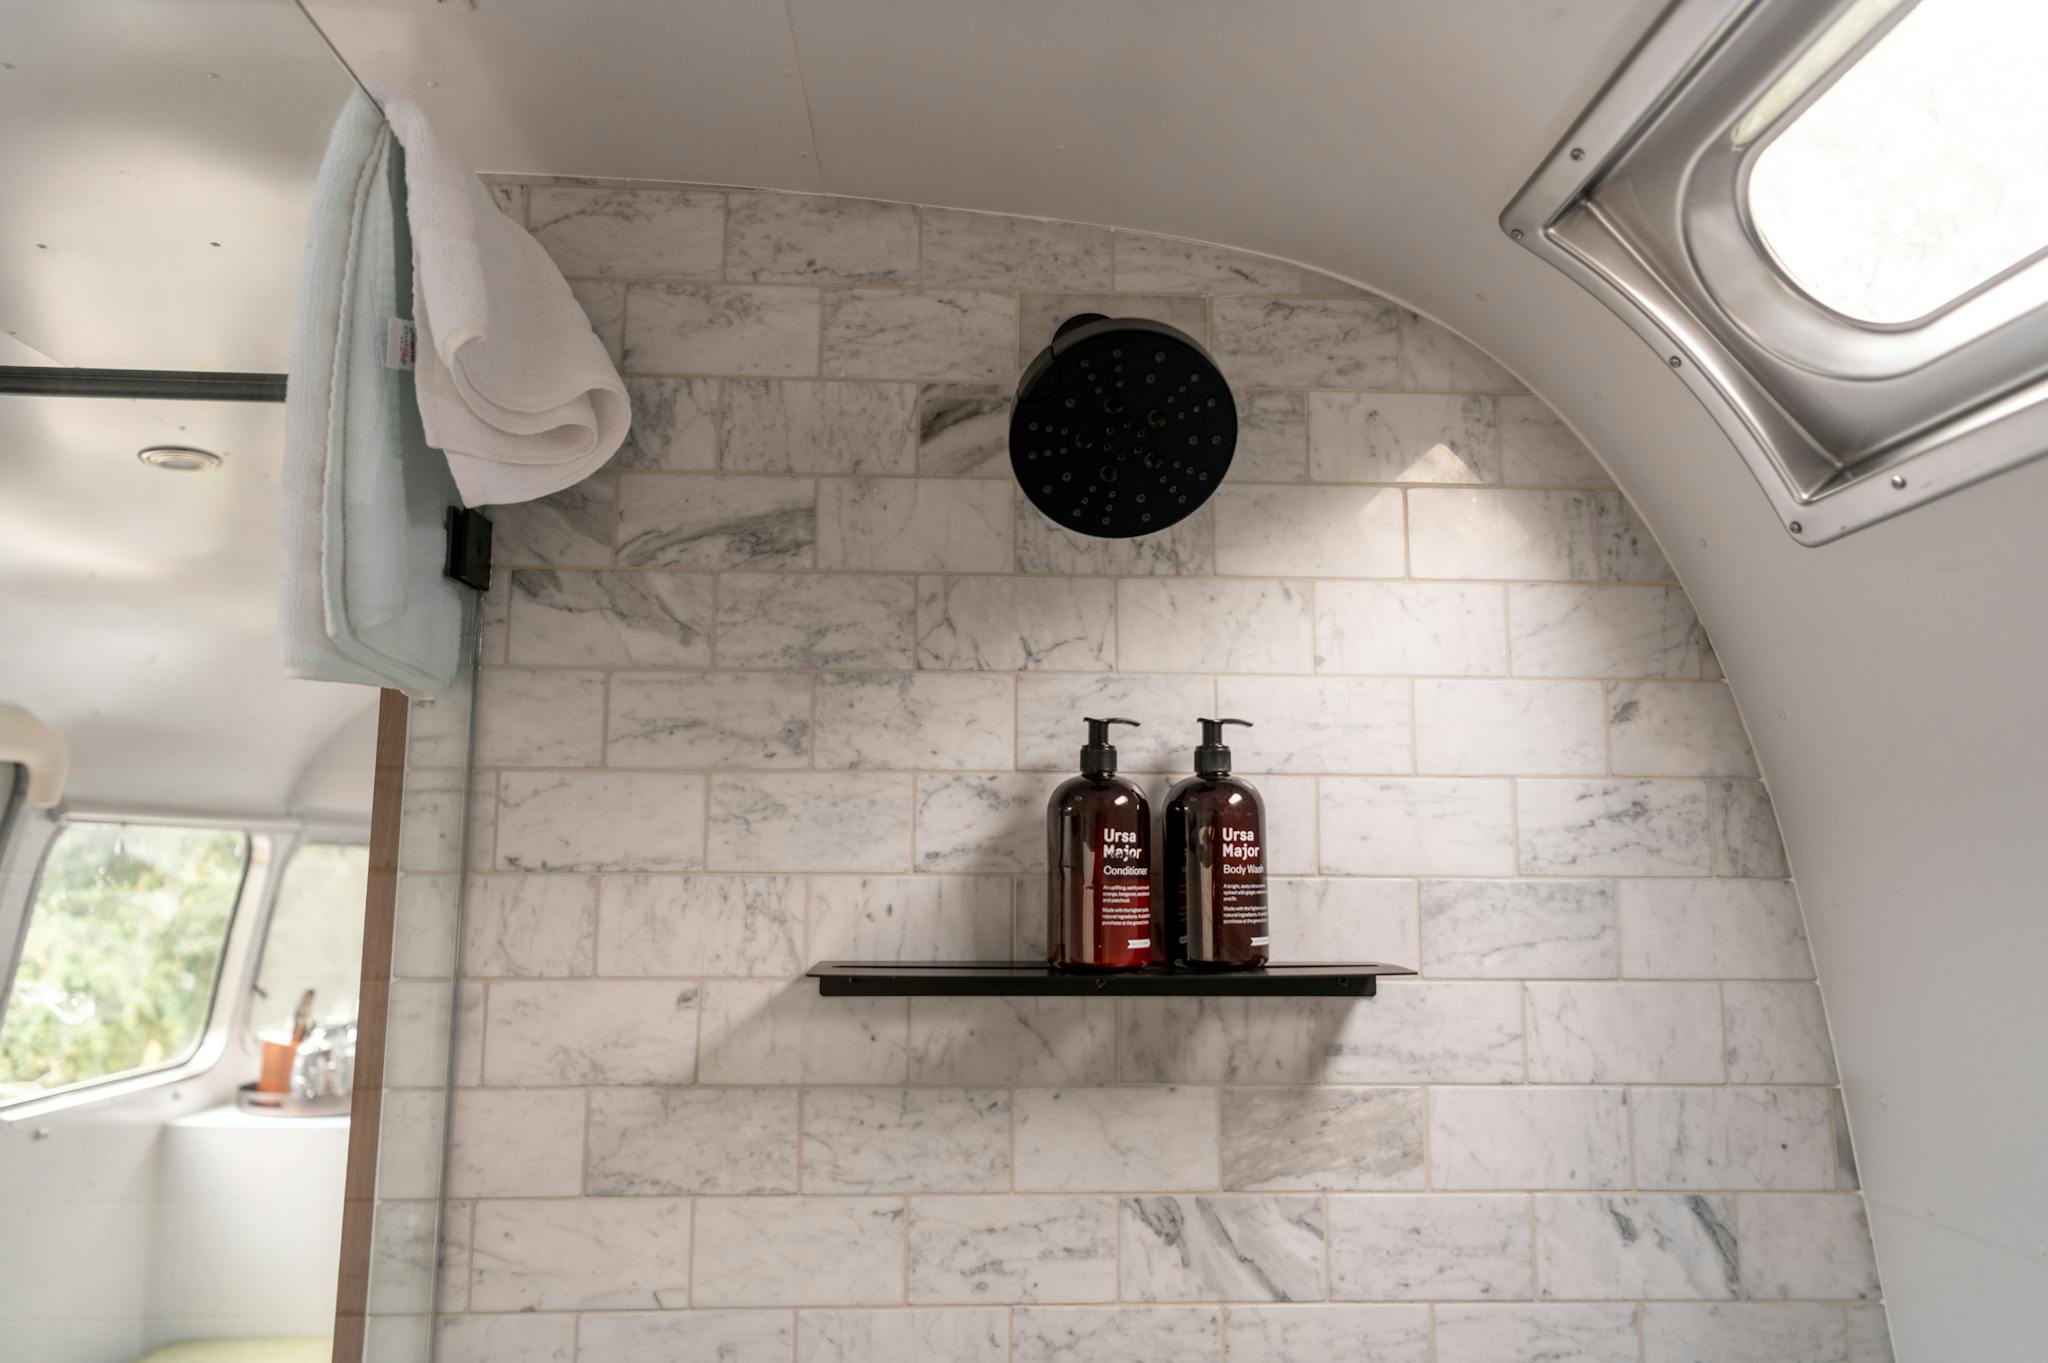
996,250
1012,1249
567,529
709,719
1738,1139
1807,1245
591,1032
539,719
1508,929
840,620
1608,1033
806,426
634,232
529,926
1044,547
964,430
1012,1040
1628,551
684,1337
1011,624
1777,1033
1402,438
1305,343
581,618
1428,826
915,720
516,1143
1528,1138
820,239
721,329
1636,1245
674,425
1328,1334
701,925
1537,449
1318,724
1219,1041
1436,359
713,520
600,821
668,1141
1115,1334
581,1254
970,1335
1745,1332
1426,1033
910,918
982,822
1677,729
934,334
1605,631
1410,628
1582,1332
1232,1247
790,1251
1713,929
1149,264
1272,437
1110,1139
1322,1139
1043,312
1615,827
1746,841
1050,734
1213,625
1333,921
915,524
782,1032
906,1140
1430,1247
818,821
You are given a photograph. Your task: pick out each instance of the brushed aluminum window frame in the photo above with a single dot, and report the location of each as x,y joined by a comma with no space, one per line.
1843,422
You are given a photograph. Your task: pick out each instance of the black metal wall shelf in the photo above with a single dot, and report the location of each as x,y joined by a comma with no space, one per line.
875,979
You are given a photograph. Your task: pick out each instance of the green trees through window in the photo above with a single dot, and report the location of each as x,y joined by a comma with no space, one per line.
122,955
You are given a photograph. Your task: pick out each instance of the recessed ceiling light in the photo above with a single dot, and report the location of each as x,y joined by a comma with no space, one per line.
179,458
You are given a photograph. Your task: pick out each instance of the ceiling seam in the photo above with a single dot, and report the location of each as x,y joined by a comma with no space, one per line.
804,92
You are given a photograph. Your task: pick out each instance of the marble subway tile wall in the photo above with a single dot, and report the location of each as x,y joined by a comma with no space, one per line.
791,680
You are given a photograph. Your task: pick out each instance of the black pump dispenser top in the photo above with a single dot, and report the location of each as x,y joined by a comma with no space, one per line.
1212,758
1099,757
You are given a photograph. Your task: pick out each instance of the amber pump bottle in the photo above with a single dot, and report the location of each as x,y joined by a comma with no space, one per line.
1216,863
1098,859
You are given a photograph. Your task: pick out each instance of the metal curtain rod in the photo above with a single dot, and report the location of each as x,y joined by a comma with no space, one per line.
169,385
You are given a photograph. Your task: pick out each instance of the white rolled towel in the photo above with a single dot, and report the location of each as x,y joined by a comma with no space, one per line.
513,385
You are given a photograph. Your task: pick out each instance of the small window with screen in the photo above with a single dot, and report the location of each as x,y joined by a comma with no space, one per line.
121,958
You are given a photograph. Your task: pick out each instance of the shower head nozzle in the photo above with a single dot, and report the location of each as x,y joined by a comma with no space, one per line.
1123,426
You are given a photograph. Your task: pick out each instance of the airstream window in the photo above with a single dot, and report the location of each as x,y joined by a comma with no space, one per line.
1922,171
122,954
315,939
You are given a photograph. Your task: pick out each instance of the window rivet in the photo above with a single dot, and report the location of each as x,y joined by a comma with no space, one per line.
1515,233
1578,153
1795,527
1674,362
1898,480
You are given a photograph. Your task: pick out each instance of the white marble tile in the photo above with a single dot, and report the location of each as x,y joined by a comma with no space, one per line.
522,1143
974,822
1426,1033
1528,1138
1870,1335
1042,314
1635,1245
1713,929
1525,728
716,520
539,719
1746,1332
674,426
1402,438
820,239
437,727
417,1035
423,927
914,720
1616,827
1739,1139
1272,437
409,1139
686,1337
901,1140
1309,531
522,1338
963,430
934,334
998,250
1807,1245
1431,827
701,925
591,1032
1210,625
567,529
835,620
1294,1138
1746,840
633,232
790,1251
1436,359
670,1141
1678,729
1502,533
600,821
1313,343
1219,1041
1232,1246
1116,1334
1777,1034
1342,920
1290,825
1328,1334
1185,548
510,199
402,1256
604,306
1008,624
1518,929
1604,631
910,918
1430,1247
1050,732
709,719
1628,552
810,822
1318,724
432,822
594,618
973,1335
798,426
1581,1332
1149,264
757,1032
1012,1040
721,329
1617,1033
1538,450
959,525
529,926
1012,1249
581,1254
1410,628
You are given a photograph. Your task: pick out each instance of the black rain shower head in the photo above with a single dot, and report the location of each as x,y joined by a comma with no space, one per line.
1122,426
